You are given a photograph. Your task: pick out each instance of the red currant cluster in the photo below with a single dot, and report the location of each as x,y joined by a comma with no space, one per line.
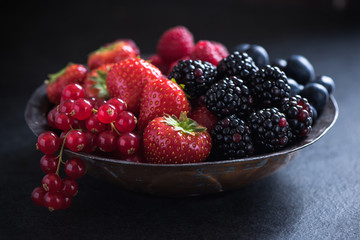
86,125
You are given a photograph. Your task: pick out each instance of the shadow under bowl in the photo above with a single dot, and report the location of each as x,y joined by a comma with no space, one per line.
181,179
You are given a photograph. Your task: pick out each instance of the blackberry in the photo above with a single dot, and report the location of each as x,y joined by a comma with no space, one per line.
196,75
269,87
270,128
237,64
228,96
232,138
299,115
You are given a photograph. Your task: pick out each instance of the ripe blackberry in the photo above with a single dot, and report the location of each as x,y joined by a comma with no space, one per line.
269,87
231,137
299,115
270,128
228,96
237,64
196,75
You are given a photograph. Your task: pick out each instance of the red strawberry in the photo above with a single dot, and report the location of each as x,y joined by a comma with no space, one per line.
209,51
159,62
161,97
126,80
204,117
73,73
174,141
95,82
111,53
175,43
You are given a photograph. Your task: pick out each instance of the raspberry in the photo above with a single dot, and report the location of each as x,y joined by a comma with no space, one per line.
159,63
208,51
175,43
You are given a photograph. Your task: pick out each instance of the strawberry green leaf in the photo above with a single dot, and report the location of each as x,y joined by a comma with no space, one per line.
183,124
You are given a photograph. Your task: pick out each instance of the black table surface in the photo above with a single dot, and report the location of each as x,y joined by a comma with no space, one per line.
316,196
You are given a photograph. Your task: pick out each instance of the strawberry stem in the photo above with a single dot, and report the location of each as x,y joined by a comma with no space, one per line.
183,123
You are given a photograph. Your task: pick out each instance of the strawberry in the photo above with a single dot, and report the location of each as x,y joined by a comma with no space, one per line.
169,140
127,78
204,117
111,53
208,51
161,97
72,73
175,43
95,82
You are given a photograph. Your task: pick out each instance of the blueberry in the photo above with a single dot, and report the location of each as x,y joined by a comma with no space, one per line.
300,69
280,63
242,47
317,95
315,115
295,87
256,52
327,82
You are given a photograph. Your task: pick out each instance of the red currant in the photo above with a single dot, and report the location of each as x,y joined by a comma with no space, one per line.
72,91
97,102
125,122
48,142
118,103
63,121
48,163
65,106
94,125
107,113
53,201
81,109
51,117
66,203
106,141
75,141
78,124
90,145
69,187
75,168
37,196
51,182
128,144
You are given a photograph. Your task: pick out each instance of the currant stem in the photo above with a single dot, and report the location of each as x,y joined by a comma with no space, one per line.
114,128
61,153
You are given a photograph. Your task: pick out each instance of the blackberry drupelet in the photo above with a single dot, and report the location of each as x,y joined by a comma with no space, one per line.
237,64
269,128
269,87
196,75
232,138
228,96
299,115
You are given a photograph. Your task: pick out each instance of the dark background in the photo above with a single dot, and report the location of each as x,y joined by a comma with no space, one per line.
316,196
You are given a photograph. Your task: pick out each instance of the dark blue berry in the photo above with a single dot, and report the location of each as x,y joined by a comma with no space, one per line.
300,69
316,94
256,52
327,82
315,115
280,63
296,88
242,47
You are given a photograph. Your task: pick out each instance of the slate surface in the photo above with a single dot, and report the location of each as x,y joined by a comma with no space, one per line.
316,196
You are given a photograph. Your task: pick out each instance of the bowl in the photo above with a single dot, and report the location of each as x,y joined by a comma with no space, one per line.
179,180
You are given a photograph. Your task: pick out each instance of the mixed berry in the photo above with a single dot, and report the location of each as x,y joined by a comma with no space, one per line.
185,104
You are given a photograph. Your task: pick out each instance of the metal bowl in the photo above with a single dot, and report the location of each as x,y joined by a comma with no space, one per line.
182,179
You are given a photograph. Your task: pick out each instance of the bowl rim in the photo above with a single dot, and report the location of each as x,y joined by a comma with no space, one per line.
40,93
